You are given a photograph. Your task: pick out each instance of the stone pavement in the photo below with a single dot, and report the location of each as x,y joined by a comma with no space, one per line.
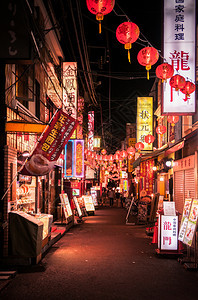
103,258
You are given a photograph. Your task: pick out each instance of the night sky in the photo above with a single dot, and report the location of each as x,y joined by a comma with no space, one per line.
108,59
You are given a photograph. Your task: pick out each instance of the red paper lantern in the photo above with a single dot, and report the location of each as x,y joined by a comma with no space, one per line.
127,33
131,150
103,151
188,89
161,129
111,157
139,146
116,156
147,57
123,154
100,8
149,139
177,82
164,71
173,120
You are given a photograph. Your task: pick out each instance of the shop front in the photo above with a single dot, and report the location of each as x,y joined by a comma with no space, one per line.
184,180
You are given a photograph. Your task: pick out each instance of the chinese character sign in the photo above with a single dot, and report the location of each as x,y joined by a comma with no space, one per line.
144,120
79,158
90,130
70,88
169,232
179,51
74,159
50,146
147,176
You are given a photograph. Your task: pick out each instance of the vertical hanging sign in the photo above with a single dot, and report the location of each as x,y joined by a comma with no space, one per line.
179,51
90,130
144,120
70,89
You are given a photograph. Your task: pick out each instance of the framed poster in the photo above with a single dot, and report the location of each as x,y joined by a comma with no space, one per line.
192,222
184,220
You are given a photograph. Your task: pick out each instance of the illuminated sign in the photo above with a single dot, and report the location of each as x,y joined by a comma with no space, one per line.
66,205
90,130
89,206
69,157
144,120
77,206
79,158
169,232
80,118
179,51
74,159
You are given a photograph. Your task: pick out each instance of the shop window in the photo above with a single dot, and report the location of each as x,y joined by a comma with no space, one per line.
24,88
51,108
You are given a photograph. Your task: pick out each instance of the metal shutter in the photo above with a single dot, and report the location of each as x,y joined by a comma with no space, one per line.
179,190
189,183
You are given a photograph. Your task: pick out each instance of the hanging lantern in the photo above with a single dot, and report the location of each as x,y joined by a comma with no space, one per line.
131,150
149,139
100,8
164,71
177,82
103,151
147,57
116,156
139,146
127,33
161,129
105,157
118,152
123,154
188,89
110,157
173,120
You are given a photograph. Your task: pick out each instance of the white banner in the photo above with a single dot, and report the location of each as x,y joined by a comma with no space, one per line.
179,51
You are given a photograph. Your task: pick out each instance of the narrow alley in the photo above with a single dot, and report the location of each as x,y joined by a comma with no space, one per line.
103,258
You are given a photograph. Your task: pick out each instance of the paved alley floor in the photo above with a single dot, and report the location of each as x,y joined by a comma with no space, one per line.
103,258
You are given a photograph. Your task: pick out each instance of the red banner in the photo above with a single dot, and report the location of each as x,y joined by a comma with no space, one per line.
50,146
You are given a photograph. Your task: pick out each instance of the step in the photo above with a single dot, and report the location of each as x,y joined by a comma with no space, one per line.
8,273
4,277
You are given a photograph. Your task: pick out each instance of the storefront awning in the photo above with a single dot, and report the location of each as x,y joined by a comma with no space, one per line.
174,148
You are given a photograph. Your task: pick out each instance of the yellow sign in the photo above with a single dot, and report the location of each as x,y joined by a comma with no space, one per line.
144,120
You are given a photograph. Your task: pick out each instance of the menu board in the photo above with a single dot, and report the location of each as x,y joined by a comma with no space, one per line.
94,195
66,205
184,220
169,208
77,206
192,222
89,206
